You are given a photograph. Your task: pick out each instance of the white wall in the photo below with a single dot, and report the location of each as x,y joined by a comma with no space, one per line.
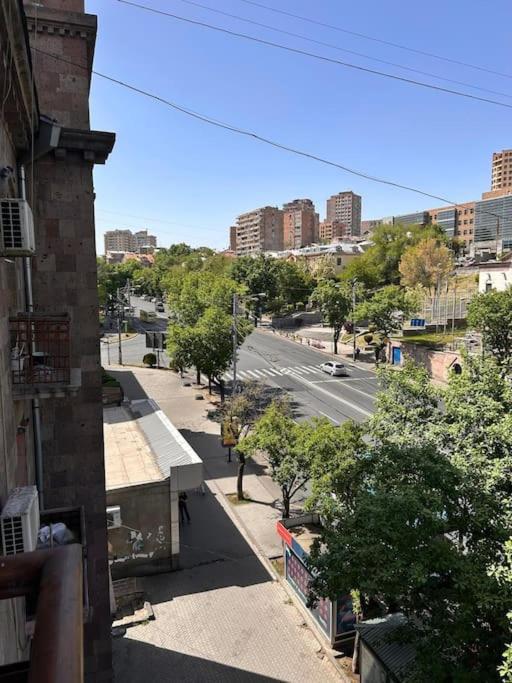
495,279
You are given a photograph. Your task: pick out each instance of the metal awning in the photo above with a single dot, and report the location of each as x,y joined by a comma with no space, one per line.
174,455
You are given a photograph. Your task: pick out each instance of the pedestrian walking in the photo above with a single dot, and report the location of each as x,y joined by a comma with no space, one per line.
182,502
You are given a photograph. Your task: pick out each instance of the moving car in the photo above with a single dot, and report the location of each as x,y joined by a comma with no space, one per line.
334,369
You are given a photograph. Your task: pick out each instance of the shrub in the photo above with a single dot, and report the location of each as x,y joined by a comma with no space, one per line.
149,359
368,338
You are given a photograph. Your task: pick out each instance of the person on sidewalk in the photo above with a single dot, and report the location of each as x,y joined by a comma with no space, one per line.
182,502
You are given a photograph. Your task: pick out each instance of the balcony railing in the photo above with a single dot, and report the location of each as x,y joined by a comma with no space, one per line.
40,355
55,578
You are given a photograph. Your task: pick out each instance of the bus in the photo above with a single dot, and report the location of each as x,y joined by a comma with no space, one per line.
147,316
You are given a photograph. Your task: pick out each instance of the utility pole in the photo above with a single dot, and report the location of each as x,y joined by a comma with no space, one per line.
354,283
119,336
497,235
235,341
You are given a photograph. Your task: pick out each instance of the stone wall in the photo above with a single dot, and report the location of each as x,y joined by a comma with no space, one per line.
142,545
438,363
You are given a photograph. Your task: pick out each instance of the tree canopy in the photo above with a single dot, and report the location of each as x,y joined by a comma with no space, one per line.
427,263
416,517
334,300
491,314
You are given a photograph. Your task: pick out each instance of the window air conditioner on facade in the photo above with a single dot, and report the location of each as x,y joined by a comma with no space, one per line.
16,228
114,517
19,521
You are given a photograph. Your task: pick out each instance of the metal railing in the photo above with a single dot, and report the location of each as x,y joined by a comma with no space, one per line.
40,349
55,577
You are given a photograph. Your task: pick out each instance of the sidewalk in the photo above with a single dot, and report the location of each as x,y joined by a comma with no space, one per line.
225,617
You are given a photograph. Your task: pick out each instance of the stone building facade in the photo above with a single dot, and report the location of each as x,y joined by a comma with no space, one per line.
300,224
59,157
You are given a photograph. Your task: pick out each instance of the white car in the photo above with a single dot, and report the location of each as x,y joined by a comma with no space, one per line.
334,369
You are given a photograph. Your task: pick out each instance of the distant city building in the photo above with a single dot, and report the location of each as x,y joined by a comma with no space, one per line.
328,231
418,218
333,257
300,224
127,241
493,224
232,238
501,175
259,231
143,240
457,221
346,208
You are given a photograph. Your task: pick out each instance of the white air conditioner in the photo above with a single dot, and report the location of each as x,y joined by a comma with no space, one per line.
114,517
16,228
19,521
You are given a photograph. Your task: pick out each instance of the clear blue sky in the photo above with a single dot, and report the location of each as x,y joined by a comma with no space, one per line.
192,180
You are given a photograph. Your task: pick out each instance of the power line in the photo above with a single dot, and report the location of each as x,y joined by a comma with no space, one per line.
313,55
341,49
376,40
252,135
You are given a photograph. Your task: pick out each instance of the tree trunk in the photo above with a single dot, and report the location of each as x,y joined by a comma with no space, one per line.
210,384
336,337
222,392
286,503
240,478
198,376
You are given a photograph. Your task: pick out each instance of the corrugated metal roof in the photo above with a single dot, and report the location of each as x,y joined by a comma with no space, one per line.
168,445
378,635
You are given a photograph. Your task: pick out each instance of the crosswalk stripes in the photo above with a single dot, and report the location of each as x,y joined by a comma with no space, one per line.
260,373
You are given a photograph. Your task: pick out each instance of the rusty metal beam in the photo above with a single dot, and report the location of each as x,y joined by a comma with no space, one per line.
56,576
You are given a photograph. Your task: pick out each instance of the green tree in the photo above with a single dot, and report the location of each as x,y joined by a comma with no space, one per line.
242,410
334,300
491,314
427,263
387,308
280,440
378,265
417,515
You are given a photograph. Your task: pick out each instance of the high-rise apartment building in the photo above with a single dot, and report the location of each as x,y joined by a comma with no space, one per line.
457,221
51,434
144,241
232,238
332,230
300,224
501,179
259,230
345,207
493,223
126,240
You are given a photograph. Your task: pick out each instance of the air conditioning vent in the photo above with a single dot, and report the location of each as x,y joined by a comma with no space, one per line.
114,517
16,228
19,521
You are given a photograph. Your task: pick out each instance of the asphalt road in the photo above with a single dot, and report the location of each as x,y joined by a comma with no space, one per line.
284,364
280,364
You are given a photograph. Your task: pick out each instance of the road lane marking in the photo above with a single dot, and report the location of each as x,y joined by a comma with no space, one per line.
260,373
329,417
354,406
273,372
250,372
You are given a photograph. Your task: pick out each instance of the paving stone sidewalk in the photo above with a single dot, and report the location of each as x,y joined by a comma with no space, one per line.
223,617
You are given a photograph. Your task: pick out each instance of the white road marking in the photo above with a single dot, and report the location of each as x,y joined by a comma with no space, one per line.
347,379
241,373
333,396
228,375
250,372
329,417
260,373
273,371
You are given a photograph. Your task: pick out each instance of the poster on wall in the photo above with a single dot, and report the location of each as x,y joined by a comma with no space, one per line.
299,577
345,617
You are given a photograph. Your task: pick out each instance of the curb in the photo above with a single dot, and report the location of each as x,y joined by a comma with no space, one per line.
361,364
274,576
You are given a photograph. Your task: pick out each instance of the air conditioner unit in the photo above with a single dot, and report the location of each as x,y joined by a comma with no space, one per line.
19,521
114,517
16,228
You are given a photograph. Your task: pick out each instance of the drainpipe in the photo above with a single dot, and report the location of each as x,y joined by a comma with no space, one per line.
36,407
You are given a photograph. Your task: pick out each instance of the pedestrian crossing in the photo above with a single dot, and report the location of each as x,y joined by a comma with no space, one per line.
265,373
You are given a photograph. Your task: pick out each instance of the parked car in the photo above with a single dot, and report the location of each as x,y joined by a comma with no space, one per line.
159,307
153,299
334,369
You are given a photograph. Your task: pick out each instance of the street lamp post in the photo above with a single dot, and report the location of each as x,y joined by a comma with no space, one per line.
354,283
